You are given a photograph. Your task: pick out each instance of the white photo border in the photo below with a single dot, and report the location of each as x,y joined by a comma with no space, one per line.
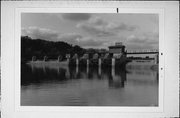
162,9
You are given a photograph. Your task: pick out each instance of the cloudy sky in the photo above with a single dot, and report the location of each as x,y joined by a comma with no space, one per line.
136,31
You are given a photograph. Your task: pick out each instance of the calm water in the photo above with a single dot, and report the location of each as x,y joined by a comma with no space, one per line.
62,86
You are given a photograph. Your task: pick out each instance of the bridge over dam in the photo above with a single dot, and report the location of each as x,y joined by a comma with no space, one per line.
142,52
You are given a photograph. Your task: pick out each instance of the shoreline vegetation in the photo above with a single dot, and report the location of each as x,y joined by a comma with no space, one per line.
40,48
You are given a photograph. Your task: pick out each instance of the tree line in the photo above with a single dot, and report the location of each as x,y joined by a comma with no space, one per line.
40,48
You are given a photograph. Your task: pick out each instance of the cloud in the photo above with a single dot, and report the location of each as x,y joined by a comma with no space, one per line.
51,35
71,38
76,16
137,39
99,27
120,27
95,30
91,42
39,33
149,40
77,39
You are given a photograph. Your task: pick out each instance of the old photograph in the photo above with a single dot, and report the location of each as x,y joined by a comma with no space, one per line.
89,59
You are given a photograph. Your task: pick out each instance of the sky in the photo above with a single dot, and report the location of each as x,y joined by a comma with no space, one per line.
94,30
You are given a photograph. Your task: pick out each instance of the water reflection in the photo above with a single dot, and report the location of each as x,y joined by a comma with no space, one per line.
35,74
93,86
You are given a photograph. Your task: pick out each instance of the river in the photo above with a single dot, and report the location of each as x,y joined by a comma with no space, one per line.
72,86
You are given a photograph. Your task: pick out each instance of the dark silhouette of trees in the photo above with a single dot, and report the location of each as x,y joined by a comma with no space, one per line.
40,48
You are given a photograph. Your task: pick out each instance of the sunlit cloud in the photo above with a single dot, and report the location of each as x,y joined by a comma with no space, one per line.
99,27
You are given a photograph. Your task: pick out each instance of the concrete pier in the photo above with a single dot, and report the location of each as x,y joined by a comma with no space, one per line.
113,61
77,62
77,70
87,62
32,67
67,73
99,70
87,69
99,66
68,61
113,71
44,68
99,62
